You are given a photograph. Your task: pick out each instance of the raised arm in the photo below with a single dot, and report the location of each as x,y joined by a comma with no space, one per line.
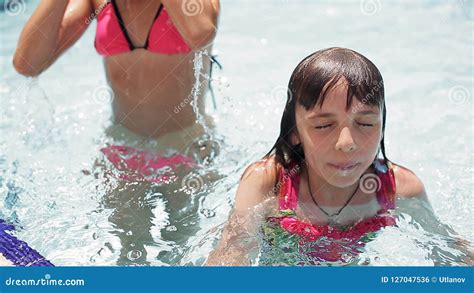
252,203
196,21
54,26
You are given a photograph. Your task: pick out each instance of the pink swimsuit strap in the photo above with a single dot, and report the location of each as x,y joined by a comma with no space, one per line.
289,180
288,200
113,38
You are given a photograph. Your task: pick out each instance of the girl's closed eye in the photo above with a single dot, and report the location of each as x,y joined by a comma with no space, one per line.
366,124
323,126
362,124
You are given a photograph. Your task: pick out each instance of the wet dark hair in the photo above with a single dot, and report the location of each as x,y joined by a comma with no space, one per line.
314,76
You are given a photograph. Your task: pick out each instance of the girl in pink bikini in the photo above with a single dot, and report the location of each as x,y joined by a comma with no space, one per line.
148,49
326,187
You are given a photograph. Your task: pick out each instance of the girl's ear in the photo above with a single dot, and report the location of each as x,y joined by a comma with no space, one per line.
295,138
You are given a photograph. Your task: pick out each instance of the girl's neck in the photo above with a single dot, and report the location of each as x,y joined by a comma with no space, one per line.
323,192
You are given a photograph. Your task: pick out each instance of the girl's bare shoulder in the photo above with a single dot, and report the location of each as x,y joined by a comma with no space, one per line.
408,184
258,182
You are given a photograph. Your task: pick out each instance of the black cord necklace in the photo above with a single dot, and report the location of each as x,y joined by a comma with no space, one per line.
331,221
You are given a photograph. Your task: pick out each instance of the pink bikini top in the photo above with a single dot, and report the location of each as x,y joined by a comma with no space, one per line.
113,38
288,200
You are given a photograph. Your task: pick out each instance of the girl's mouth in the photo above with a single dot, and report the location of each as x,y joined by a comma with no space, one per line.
344,167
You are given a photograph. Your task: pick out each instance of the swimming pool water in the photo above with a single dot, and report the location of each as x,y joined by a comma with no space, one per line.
52,128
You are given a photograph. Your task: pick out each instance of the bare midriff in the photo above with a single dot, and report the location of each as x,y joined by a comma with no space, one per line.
153,92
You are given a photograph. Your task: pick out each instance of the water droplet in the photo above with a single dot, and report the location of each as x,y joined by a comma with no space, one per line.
171,228
207,213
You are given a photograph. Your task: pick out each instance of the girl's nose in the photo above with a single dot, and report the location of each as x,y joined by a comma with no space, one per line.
345,142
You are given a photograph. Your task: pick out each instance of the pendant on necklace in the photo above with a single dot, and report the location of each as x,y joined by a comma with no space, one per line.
332,222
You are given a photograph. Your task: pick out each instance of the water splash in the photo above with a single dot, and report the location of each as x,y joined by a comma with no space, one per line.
196,90
205,148
33,112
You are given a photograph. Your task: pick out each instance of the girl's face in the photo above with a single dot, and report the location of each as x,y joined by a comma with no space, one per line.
339,145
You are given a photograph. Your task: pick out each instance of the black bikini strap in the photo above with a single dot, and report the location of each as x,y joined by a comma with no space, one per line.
122,25
211,90
153,24
124,29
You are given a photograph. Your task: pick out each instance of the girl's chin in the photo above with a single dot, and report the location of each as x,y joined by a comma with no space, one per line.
343,179
343,182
